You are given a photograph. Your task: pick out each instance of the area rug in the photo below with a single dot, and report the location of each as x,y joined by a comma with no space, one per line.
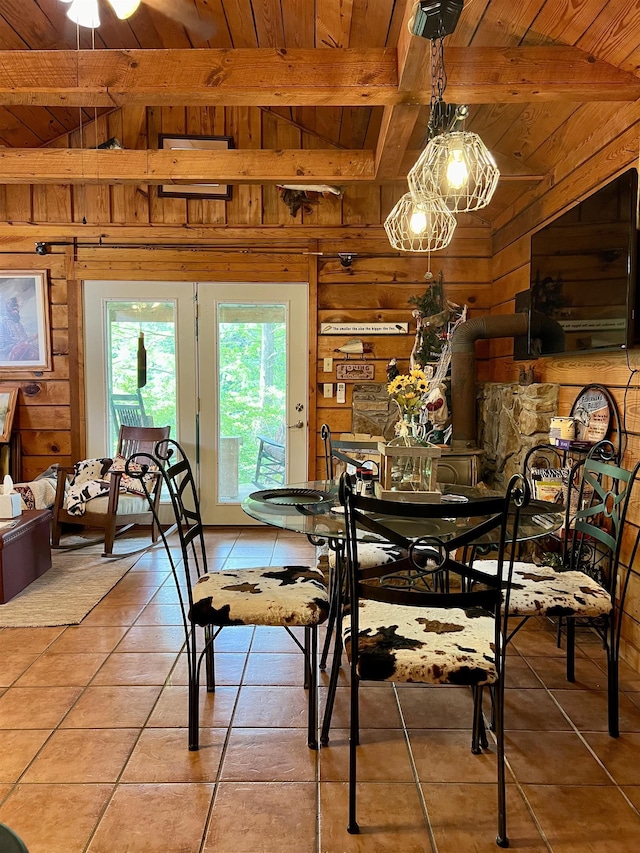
77,580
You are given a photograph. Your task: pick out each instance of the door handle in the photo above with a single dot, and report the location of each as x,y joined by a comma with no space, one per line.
297,425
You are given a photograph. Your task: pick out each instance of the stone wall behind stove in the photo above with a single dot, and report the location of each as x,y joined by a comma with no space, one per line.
511,419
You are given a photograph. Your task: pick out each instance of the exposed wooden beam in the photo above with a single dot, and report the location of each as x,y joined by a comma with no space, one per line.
93,166
399,121
338,77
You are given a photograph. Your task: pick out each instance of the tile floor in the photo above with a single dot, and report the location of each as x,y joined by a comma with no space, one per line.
94,755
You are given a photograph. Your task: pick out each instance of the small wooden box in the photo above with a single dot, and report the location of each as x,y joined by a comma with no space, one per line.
408,472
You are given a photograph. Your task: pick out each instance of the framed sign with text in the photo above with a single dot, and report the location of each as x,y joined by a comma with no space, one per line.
364,328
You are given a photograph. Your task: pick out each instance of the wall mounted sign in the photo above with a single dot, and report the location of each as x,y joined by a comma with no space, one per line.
364,328
592,413
354,371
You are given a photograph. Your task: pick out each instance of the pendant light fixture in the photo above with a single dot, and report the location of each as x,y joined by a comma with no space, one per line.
85,13
420,223
455,163
458,166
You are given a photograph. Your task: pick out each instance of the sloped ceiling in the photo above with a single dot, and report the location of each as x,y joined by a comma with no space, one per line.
540,76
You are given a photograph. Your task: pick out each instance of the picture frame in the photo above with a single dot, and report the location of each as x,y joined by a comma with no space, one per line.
191,142
25,329
8,400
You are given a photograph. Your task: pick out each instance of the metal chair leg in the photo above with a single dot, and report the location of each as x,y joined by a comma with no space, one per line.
311,659
502,839
571,648
194,696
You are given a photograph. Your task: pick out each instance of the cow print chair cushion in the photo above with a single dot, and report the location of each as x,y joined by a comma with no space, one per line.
276,595
545,591
422,644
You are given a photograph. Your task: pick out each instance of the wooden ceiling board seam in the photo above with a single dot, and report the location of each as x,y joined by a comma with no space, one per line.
504,23
472,14
371,22
535,122
619,16
298,24
563,21
267,15
333,23
239,17
214,30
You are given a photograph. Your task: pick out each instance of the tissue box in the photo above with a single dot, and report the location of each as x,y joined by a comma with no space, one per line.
10,505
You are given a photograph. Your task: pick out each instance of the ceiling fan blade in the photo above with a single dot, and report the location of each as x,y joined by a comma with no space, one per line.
187,15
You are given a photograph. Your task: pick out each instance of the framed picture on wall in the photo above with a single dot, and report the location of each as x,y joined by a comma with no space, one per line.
195,143
25,333
8,399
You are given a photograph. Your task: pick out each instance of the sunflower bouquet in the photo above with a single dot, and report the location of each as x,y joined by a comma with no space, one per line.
408,390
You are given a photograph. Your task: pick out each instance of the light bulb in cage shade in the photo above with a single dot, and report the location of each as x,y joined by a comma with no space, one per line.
418,221
457,172
84,13
124,8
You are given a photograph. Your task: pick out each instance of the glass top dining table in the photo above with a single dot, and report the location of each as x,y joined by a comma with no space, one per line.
313,508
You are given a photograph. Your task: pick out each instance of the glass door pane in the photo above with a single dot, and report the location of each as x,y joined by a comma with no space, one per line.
141,365
252,370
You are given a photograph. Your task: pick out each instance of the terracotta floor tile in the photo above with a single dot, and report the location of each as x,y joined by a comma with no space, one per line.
59,670
276,640
588,710
533,710
55,818
269,755
82,755
277,817
425,707
153,819
229,669
378,707
621,755
160,614
35,708
552,758
277,707
19,747
390,818
26,640
112,707
553,674
519,672
444,755
111,614
13,665
629,679
162,755
88,639
135,668
235,638
171,710
465,818
601,820
152,638
131,595
533,643
167,594
5,790
382,754
273,669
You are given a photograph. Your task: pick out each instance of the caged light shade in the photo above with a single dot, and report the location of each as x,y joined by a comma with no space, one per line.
458,167
420,223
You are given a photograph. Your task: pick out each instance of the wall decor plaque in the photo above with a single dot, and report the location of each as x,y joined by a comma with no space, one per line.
354,371
364,328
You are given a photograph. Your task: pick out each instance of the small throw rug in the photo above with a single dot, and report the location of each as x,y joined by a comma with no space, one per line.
77,580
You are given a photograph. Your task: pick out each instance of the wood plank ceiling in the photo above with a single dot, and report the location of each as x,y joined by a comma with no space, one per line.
539,76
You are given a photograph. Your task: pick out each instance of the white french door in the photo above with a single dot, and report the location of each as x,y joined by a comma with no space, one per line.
226,366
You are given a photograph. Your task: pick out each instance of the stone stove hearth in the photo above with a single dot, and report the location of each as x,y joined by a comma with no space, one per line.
511,419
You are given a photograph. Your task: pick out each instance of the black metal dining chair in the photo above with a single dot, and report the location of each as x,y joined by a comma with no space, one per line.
286,596
585,587
452,635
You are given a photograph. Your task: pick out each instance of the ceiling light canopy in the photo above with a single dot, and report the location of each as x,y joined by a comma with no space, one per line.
85,13
420,224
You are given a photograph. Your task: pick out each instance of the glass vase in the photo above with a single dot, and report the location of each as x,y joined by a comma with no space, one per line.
409,473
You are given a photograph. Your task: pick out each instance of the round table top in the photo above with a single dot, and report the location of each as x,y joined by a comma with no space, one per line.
313,508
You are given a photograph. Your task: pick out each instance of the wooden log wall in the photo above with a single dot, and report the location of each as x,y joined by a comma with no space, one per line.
617,371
